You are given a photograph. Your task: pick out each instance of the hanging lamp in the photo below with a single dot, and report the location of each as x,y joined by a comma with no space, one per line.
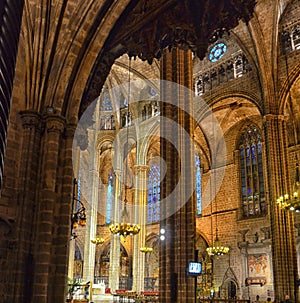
124,228
216,249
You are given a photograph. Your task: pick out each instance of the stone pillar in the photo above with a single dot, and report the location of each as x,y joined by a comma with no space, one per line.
284,259
178,212
138,267
92,203
48,202
62,216
91,213
114,261
30,150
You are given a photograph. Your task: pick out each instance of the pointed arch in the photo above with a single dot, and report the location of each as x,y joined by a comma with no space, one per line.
251,172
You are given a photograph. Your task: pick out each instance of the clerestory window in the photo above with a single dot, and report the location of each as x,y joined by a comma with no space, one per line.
153,209
251,172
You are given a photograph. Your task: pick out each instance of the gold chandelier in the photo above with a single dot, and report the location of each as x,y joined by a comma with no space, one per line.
124,228
98,241
292,202
217,249
146,249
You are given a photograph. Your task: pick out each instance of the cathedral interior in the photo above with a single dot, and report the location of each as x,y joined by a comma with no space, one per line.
150,150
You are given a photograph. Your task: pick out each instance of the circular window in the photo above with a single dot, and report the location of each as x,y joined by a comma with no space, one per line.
217,51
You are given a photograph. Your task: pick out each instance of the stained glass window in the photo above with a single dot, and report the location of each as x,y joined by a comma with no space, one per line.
153,210
252,183
198,186
105,103
217,51
109,199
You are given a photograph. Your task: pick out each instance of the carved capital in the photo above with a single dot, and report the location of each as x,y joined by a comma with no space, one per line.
141,168
31,119
273,117
54,123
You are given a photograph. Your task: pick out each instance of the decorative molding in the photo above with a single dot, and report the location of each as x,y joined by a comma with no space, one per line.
54,123
31,119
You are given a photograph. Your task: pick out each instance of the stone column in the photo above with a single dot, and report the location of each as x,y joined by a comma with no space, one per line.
62,215
92,203
282,222
91,213
138,267
114,261
48,202
30,150
178,211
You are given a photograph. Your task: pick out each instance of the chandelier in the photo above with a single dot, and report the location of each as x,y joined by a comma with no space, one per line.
124,228
217,249
146,249
291,202
98,241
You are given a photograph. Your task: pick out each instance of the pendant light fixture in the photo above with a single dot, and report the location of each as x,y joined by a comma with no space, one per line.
124,228
217,249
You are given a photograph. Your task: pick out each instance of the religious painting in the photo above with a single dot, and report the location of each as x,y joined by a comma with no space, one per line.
78,265
104,266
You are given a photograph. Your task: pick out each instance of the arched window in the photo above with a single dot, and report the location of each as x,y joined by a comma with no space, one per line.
296,36
198,186
153,210
286,43
109,199
252,183
199,86
105,102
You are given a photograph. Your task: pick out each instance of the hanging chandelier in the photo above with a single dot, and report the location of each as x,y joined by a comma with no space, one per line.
146,249
124,228
98,241
291,202
217,249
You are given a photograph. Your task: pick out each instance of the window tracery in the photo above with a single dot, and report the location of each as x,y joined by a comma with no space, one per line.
225,71
198,185
251,172
290,39
153,209
109,199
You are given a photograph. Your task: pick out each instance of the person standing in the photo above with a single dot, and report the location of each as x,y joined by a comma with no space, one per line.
287,299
